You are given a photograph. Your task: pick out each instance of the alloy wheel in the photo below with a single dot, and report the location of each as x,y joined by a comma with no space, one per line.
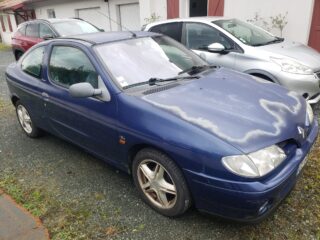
24,119
157,184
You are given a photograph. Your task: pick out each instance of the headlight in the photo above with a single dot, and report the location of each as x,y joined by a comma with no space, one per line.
310,113
291,66
256,164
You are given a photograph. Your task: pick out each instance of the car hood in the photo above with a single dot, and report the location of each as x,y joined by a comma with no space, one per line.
297,51
245,112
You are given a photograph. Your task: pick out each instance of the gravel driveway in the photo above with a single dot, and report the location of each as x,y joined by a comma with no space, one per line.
110,202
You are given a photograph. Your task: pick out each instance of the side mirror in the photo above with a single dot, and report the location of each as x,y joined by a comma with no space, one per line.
216,48
47,37
84,90
101,30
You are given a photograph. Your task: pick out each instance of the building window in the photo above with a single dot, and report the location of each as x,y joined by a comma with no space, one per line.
51,13
24,15
198,8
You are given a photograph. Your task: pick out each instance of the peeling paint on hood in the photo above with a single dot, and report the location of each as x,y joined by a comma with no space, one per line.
242,111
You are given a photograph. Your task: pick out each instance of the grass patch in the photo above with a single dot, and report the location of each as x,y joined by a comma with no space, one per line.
64,220
33,200
67,220
4,106
4,47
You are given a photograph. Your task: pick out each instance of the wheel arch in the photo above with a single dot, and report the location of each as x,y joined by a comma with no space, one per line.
16,51
133,151
14,99
262,74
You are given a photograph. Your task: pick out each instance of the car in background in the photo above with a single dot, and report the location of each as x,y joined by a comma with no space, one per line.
35,31
189,133
247,48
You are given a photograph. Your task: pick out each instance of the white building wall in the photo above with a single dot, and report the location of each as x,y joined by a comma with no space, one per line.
68,9
299,14
149,7
7,35
115,13
109,9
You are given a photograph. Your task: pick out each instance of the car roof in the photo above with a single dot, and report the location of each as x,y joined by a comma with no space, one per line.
106,37
190,19
52,20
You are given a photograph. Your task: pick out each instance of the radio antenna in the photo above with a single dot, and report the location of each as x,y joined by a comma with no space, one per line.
122,27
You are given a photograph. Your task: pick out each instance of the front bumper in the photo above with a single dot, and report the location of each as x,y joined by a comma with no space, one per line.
249,201
314,99
305,85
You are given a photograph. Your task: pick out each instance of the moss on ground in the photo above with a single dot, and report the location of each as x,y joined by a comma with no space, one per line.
4,47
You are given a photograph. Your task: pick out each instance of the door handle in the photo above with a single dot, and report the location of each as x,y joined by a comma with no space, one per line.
45,96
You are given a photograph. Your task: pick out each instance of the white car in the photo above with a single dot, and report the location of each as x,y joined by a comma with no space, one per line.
247,48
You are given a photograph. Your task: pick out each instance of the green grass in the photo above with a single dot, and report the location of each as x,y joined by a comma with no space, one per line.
4,105
67,219
64,220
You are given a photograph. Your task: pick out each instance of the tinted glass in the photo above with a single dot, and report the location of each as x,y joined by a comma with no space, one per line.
33,30
200,36
74,27
246,33
172,30
44,30
137,60
32,63
22,29
70,65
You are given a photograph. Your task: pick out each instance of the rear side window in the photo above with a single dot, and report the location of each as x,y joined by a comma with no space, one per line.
69,65
172,30
32,63
45,31
22,29
32,30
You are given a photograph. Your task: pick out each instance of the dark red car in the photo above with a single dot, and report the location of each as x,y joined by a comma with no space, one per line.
35,31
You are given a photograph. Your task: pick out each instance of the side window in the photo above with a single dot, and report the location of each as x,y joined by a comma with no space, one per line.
200,36
69,65
22,30
172,30
33,30
44,30
32,63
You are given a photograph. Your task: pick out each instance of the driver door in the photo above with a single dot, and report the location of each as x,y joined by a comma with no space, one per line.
198,36
88,122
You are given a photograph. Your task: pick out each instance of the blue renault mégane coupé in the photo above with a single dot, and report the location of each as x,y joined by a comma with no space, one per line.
188,132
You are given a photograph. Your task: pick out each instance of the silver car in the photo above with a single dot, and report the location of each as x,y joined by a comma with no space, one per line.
247,48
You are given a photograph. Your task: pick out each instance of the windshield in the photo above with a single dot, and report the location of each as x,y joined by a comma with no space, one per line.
247,33
74,27
137,60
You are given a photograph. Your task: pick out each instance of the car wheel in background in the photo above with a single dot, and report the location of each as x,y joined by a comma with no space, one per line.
160,183
18,55
26,122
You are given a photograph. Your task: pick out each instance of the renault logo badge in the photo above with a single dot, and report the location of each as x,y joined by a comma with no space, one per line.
301,132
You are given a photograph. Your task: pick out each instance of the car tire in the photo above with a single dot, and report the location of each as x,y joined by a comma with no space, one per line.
18,55
26,122
160,183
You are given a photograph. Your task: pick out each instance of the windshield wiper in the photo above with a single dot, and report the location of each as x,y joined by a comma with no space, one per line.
197,68
153,81
276,40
